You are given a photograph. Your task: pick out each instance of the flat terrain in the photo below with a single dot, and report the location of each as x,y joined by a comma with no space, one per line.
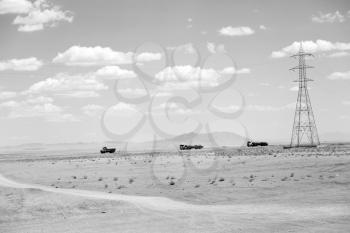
220,190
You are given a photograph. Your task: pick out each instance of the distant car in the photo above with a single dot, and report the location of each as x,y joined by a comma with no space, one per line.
190,147
253,144
107,150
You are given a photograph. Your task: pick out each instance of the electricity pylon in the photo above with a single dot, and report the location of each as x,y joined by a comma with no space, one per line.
304,131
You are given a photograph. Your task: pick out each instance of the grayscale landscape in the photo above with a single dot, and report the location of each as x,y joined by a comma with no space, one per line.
159,116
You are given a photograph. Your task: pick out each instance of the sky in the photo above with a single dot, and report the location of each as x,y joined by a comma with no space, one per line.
91,71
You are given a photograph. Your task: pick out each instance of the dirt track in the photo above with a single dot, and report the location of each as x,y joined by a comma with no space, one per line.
278,192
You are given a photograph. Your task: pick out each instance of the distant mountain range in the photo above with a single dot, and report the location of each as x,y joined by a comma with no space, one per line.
215,139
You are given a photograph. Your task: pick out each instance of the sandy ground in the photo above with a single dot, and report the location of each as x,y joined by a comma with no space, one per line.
230,190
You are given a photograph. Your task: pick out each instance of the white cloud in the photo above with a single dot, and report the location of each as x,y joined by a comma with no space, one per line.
8,104
92,110
213,48
15,6
339,76
262,27
7,95
147,57
328,18
87,56
65,83
232,70
80,94
185,77
312,47
339,54
39,19
42,107
25,64
236,31
122,109
115,72
36,15
185,48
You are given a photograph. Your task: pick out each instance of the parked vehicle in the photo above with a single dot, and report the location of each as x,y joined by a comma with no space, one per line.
107,150
190,147
253,144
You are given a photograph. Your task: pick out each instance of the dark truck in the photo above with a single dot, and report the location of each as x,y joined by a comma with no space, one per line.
107,150
190,147
253,144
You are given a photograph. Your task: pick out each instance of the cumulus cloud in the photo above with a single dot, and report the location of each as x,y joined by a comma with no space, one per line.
262,27
65,83
36,15
335,17
147,57
339,76
115,72
236,31
185,77
339,54
79,94
87,56
7,95
122,109
25,64
312,47
232,70
15,6
41,106
184,48
213,48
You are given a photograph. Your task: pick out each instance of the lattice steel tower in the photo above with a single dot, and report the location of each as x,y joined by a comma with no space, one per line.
304,131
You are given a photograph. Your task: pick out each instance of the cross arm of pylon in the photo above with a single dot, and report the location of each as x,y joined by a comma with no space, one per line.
301,67
304,80
302,54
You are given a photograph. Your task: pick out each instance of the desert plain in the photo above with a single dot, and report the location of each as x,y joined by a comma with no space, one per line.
262,189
